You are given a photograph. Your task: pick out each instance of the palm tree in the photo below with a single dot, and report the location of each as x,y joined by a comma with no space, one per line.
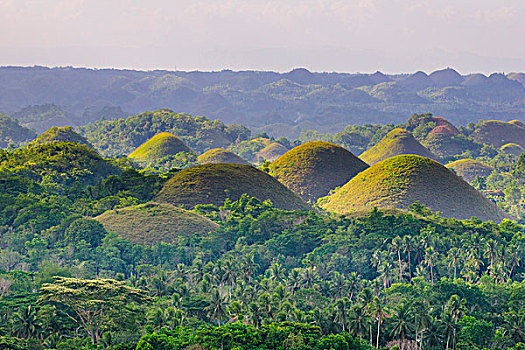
433,334
431,258
378,312
218,307
339,285
386,274
397,247
401,325
276,272
25,322
453,258
421,318
407,246
342,309
457,308
514,326
255,314
358,321
294,280
353,284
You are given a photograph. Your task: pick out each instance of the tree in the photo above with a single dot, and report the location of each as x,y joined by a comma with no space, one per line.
401,325
218,307
25,322
94,304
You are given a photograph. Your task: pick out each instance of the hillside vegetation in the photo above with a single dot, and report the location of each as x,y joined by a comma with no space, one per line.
12,132
395,143
213,183
315,168
61,134
151,223
159,146
403,180
219,155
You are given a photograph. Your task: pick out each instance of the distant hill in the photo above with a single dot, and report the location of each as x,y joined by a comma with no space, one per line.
396,142
513,148
400,181
219,155
159,146
214,183
498,133
41,97
271,152
315,168
61,134
468,169
60,162
12,132
151,223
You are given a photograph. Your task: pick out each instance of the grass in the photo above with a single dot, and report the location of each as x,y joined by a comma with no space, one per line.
151,223
157,147
468,169
219,155
315,168
499,133
400,181
213,183
396,142
271,152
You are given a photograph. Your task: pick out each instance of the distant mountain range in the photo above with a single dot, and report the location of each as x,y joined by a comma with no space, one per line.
281,104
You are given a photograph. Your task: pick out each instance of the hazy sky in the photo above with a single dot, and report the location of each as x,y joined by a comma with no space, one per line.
321,35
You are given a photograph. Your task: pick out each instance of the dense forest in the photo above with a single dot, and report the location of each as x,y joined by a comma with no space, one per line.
95,252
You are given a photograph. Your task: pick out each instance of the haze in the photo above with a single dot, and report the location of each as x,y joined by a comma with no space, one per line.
346,36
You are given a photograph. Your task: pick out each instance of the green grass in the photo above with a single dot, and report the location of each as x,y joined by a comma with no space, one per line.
271,152
315,168
396,142
499,133
151,223
157,147
61,134
468,169
219,155
400,181
213,183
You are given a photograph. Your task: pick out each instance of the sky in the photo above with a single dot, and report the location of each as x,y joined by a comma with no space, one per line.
392,36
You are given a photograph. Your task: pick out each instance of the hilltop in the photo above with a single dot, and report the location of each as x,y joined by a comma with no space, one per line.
396,142
271,152
468,169
513,148
400,181
315,168
158,147
151,223
214,183
61,134
219,155
498,133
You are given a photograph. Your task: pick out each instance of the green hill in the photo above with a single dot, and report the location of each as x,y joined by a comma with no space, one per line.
396,142
60,162
513,148
12,132
499,133
271,152
219,155
61,134
158,147
468,169
151,223
400,181
315,168
213,183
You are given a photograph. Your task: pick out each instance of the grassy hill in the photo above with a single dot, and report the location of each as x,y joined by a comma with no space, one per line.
513,148
213,183
151,223
396,142
468,169
499,133
315,168
159,146
400,181
271,152
61,134
219,155
12,132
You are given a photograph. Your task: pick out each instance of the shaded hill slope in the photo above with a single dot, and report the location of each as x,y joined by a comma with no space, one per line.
213,183
219,155
400,181
12,132
468,169
498,133
315,168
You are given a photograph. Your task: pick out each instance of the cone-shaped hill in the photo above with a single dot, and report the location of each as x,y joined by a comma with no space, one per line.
395,143
499,133
151,223
271,152
158,147
468,169
513,148
61,134
219,155
315,168
213,183
400,181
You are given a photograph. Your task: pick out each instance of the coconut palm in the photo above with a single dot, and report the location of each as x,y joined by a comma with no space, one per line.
342,310
25,322
379,313
401,321
358,321
217,309
514,326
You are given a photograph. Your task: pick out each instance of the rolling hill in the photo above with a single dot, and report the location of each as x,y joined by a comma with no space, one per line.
213,183
151,223
315,168
219,155
61,134
271,152
400,181
396,142
513,148
158,147
498,133
468,169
